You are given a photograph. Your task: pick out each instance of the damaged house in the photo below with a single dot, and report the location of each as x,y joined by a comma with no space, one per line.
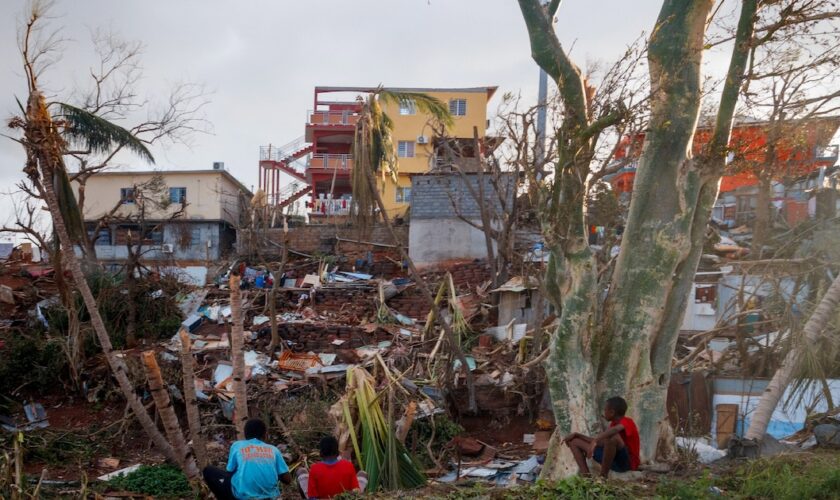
192,219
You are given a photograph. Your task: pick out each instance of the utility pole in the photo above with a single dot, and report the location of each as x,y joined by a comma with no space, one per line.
541,117
542,98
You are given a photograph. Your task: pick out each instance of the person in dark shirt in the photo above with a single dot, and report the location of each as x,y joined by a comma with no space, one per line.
617,448
253,468
332,475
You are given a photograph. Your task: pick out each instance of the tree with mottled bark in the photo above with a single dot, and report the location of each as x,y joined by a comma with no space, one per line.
622,343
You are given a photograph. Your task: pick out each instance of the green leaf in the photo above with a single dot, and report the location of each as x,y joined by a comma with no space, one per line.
87,130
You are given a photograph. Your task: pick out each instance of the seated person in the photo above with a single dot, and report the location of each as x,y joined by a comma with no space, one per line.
253,468
616,449
332,475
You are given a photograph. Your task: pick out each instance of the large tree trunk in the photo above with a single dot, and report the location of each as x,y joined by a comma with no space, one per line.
672,199
569,368
783,376
44,152
631,353
193,414
237,353
160,394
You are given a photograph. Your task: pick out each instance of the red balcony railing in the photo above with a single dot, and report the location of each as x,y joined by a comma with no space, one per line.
346,117
331,161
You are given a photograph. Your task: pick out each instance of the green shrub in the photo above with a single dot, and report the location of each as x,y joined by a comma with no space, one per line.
421,431
788,477
160,481
685,489
31,361
573,488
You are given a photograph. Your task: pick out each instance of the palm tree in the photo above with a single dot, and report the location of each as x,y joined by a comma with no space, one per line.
785,374
373,154
44,146
373,147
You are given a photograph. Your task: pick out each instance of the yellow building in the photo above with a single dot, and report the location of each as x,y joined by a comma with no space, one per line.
322,158
418,150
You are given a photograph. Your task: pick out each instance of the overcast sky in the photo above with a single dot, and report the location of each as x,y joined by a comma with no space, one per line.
261,59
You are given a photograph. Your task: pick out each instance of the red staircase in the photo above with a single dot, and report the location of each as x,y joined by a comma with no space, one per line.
274,160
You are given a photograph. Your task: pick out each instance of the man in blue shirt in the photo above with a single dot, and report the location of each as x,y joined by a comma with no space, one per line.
253,468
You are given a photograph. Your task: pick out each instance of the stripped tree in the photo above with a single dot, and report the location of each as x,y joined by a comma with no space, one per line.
622,344
193,415
237,354
160,395
44,147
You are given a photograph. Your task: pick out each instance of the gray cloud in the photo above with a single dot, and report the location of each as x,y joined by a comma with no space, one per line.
263,58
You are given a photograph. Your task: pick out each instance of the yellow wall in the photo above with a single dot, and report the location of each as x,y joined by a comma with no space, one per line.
409,127
210,194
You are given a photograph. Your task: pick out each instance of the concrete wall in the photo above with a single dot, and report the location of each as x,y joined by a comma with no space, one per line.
699,316
211,194
435,240
436,232
214,232
327,239
786,418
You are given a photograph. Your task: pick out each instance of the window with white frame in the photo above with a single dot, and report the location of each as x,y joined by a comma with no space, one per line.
458,107
178,195
405,149
407,107
403,195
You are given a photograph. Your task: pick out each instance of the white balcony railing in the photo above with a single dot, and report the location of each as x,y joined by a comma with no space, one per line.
325,206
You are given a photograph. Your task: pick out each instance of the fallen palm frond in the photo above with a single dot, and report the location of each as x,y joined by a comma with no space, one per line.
383,312
380,453
430,318
459,323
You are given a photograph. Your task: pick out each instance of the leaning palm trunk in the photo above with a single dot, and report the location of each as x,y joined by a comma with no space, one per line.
237,353
450,335
167,413
193,415
784,375
44,148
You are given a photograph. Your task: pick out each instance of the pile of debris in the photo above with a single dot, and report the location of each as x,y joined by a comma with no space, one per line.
25,280
331,322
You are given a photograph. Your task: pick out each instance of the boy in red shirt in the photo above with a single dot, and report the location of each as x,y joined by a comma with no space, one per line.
617,448
332,475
